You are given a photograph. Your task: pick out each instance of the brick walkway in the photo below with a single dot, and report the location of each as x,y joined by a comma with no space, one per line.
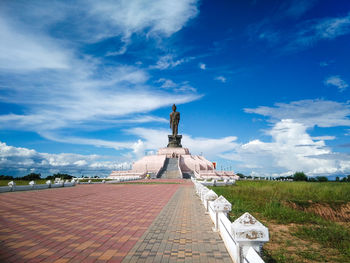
108,223
181,233
88,223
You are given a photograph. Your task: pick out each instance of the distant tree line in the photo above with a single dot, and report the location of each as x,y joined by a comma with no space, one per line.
35,176
301,176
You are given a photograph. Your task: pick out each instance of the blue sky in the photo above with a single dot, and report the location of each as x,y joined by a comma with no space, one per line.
262,86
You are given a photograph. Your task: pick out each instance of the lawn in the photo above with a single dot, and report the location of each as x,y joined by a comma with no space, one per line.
308,222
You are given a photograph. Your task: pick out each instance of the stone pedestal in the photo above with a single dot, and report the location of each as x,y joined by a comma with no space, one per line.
174,141
171,152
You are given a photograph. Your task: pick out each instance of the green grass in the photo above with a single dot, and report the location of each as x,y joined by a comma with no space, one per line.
21,182
268,202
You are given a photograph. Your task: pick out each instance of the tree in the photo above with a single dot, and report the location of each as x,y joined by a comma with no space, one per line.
322,178
32,176
312,179
337,179
348,178
6,177
63,176
240,175
299,176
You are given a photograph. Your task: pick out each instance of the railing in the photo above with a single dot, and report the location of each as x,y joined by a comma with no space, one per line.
244,237
12,187
160,170
178,167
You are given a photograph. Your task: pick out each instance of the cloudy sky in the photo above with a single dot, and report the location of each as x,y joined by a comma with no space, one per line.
262,85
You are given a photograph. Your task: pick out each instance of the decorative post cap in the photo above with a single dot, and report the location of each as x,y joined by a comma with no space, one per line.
204,190
221,205
210,195
247,228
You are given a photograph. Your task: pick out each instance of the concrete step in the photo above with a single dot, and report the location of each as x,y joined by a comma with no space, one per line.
171,175
170,169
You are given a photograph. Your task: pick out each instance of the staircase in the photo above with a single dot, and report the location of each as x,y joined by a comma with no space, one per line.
170,169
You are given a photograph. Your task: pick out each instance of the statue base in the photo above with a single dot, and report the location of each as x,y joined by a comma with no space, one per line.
174,141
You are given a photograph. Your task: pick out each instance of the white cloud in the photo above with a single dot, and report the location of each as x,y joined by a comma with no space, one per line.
324,138
315,30
65,101
154,139
139,148
202,66
221,78
167,83
300,35
322,113
20,161
163,17
59,88
29,51
92,21
169,61
291,149
184,86
337,82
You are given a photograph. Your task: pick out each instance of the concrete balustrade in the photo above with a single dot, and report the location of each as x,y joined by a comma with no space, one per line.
215,182
60,183
244,237
33,186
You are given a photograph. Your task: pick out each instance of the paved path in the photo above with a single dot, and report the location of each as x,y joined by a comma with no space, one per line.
181,233
108,223
88,223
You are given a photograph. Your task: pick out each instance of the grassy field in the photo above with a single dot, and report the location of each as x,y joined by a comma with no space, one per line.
308,222
21,182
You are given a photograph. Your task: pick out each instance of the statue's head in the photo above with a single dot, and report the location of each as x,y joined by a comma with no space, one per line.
174,107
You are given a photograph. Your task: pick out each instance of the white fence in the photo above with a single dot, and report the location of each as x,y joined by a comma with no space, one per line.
244,237
12,187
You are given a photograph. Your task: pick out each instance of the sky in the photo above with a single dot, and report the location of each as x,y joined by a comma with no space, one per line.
262,86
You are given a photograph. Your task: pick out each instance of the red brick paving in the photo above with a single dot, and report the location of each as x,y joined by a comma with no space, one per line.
88,223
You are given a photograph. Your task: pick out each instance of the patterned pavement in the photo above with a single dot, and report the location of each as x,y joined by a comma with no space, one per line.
108,223
88,223
181,233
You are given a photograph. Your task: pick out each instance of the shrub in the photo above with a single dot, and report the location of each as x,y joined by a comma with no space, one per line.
299,176
322,179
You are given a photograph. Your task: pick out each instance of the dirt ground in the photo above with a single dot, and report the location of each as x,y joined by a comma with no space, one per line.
285,247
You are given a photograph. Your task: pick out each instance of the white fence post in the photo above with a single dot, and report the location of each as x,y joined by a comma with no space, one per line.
220,205
48,182
12,185
32,183
249,232
209,196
